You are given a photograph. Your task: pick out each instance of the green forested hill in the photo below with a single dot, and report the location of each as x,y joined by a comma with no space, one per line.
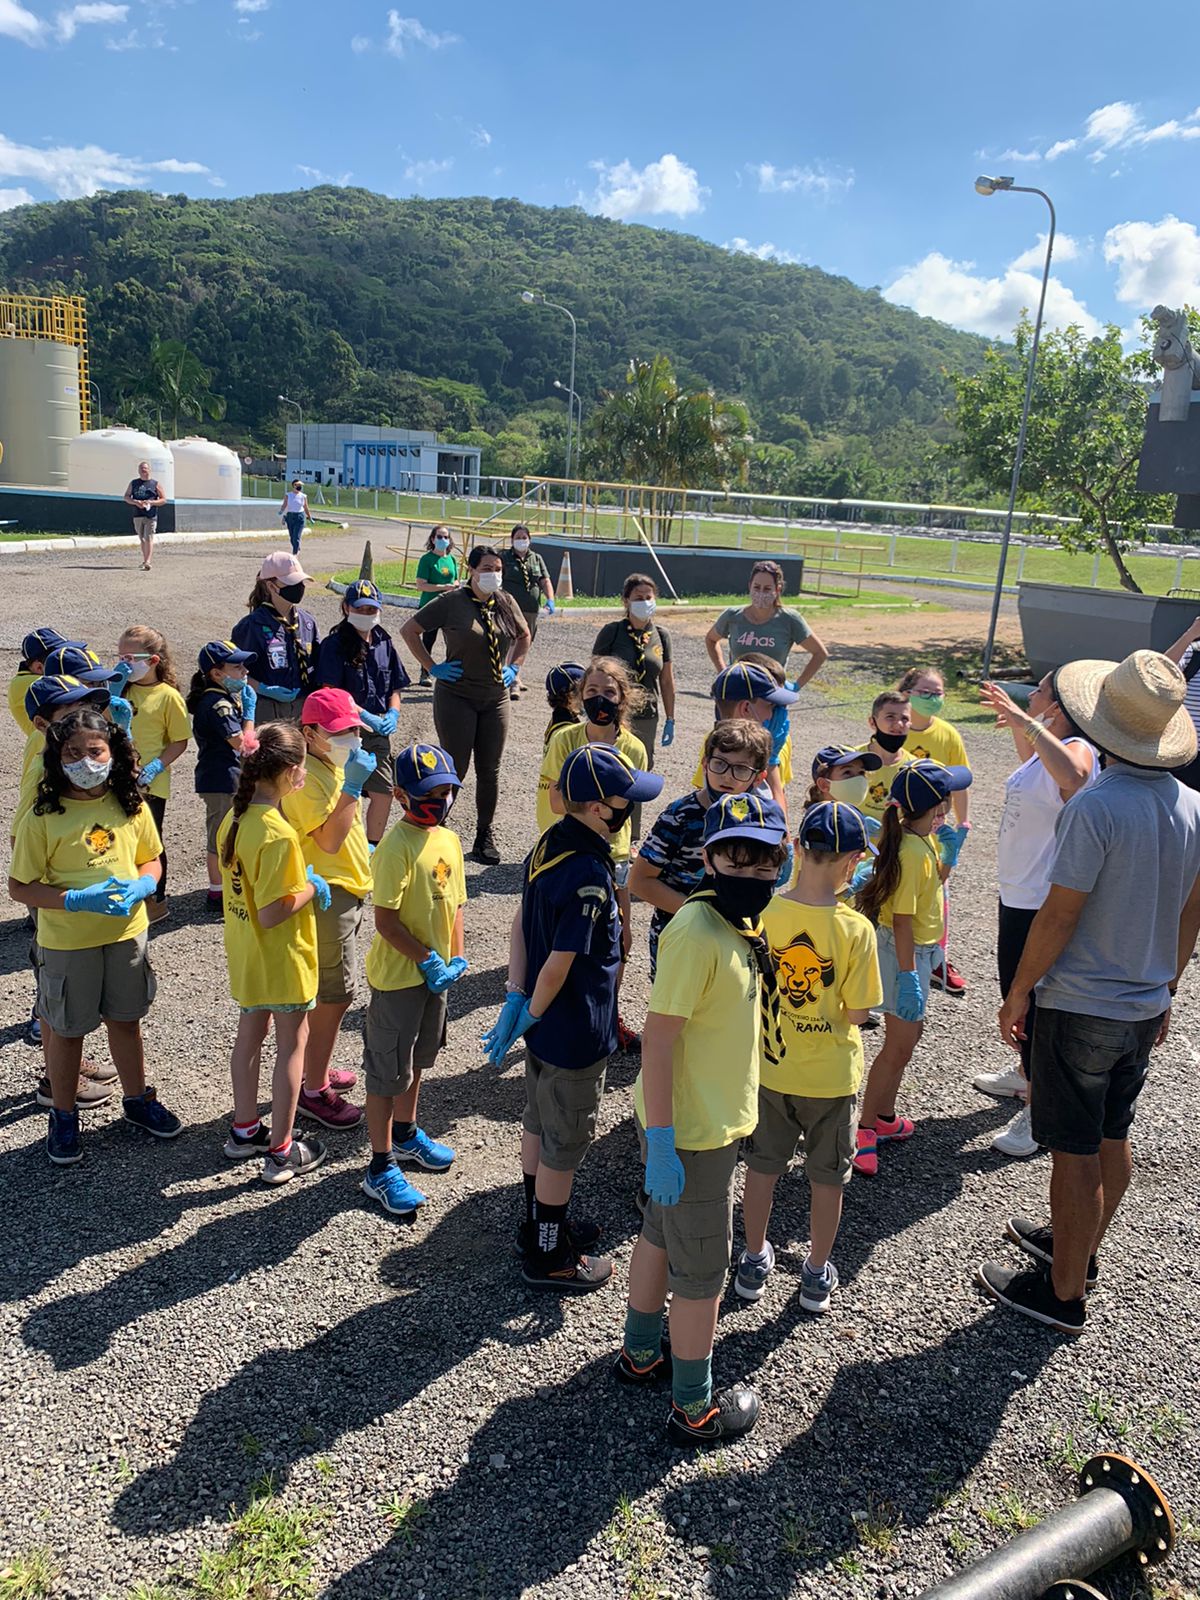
407,311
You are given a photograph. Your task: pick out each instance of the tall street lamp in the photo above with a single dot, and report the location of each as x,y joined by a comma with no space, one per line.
285,401
989,186
531,298
574,404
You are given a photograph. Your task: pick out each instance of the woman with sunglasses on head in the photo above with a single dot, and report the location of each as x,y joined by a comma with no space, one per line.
281,639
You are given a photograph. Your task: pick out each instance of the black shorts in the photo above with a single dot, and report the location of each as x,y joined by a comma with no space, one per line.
1086,1074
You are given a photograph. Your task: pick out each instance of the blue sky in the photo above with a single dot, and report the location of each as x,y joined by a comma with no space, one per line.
846,136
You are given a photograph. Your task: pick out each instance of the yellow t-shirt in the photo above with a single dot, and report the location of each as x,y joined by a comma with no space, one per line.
267,966
16,699
940,741
826,964
919,893
418,874
560,747
306,809
707,973
879,785
31,756
90,840
785,765
26,795
159,718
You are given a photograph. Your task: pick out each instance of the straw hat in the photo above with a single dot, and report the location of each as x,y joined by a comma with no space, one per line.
1132,709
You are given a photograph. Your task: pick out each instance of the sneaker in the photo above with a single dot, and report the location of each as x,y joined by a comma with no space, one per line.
583,1232
816,1288
88,1096
33,1032
733,1413
214,901
424,680
240,1147
97,1071
146,1111
1039,1243
62,1140
424,1152
1032,1295
897,1129
1016,1139
341,1079
1002,1085
866,1154
157,911
304,1155
567,1271
873,1020
659,1370
327,1107
751,1279
484,850
393,1192
947,977
627,1040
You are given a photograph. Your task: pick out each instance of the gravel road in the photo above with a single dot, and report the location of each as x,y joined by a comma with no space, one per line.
173,1330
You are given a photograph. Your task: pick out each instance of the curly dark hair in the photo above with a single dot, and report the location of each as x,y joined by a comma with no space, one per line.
122,780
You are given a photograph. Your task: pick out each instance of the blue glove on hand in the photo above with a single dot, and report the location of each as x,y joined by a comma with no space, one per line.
873,826
388,722
786,870
149,772
249,699
668,733
121,712
861,876
357,770
446,671
456,966
550,606
910,1001
664,1170
779,727
276,691
371,719
515,1017
322,896
102,898
508,677
437,973
120,676
135,890
950,842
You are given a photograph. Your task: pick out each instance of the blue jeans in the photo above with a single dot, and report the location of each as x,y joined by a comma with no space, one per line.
295,527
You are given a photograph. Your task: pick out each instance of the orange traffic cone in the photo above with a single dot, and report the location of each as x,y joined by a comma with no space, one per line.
565,589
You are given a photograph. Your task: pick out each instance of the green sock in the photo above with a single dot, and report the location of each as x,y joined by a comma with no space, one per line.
643,1336
691,1385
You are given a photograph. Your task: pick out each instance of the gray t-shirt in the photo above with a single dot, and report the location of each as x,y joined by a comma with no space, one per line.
1131,843
777,637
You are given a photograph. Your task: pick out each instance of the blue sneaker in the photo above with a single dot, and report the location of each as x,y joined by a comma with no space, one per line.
393,1191
146,1111
817,1287
424,1152
62,1141
751,1280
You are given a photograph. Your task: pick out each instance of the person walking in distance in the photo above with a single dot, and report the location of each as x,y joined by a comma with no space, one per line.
145,495
293,508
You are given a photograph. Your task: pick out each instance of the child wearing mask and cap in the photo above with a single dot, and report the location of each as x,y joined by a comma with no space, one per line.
889,721
755,689
35,647
282,639
561,684
221,704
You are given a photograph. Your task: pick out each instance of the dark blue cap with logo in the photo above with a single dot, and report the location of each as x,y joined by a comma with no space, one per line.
222,653
744,681
421,767
835,826
598,772
831,756
921,785
77,661
36,646
563,678
49,692
745,816
362,592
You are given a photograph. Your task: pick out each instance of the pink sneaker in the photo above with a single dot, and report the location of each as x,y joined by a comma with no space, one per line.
341,1079
895,1128
866,1156
328,1108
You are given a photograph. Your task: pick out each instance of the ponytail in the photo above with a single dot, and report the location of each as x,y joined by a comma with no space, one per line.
154,644
280,745
885,880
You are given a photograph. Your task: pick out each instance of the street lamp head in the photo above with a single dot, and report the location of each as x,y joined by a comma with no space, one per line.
985,185
528,296
557,384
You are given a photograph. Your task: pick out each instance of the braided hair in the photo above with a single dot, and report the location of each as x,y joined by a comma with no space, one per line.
122,780
280,745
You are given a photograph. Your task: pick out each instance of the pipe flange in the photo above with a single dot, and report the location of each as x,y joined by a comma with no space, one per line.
1153,1523
1072,1589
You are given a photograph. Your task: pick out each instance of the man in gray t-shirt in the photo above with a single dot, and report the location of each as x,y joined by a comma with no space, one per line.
1104,953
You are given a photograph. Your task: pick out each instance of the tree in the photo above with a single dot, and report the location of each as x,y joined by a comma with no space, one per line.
177,383
1086,421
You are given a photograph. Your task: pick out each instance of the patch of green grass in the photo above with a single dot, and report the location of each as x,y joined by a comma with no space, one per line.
1102,1409
849,1563
877,1526
149,1591
267,1556
724,1553
714,1464
1009,1514
637,1541
1066,1452
405,1516
797,1538
324,1468
251,1447
960,1543
1167,1424
28,1576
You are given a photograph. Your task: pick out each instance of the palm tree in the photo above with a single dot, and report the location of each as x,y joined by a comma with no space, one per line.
176,381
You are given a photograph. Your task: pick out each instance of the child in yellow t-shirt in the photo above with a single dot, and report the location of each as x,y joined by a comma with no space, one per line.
561,683
904,898
35,647
889,722
271,949
160,725
827,972
417,953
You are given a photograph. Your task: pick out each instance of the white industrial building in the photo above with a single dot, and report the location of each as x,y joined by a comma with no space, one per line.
362,457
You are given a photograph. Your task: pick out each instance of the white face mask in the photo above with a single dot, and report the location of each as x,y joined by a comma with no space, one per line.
139,670
342,746
520,546
87,774
488,582
642,610
364,621
850,791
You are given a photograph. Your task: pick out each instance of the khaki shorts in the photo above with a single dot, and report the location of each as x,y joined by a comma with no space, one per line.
337,947
560,1108
79,989
826,1128
404,1030
216,808
383,779
697,1233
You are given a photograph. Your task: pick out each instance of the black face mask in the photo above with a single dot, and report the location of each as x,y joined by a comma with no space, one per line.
293,593
600,710
742,898
429,811
891,742
620,816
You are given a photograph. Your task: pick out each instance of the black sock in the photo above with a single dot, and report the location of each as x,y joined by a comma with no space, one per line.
402,1132
530,1179
380,1163
550,1220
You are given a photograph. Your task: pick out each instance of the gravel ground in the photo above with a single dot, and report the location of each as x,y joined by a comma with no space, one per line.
174,1331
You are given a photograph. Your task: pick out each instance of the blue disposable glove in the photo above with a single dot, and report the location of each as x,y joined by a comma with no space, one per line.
785,871
101,898
862,875
668,732
446,671
388,722
950,842
149,772
135,891
779,727
910,1001
456,966
276,691
322,896
790,683
120,676
357,770
664,1170
873,826
121,712
437,973
550,605
514,1019
508,677
249,699
372,720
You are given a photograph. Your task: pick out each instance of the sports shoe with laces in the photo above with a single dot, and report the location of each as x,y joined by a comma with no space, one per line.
329,1108
1039,1243
88,1095
625,1370
341,1079
1031,1294
146,1111
750,1281
1002,1085
896,1129
63,1144
866,1154
816,1288
424,1152
947,977
733,1412
566,1270
303,1156
240,1147
393,1191
1017,1138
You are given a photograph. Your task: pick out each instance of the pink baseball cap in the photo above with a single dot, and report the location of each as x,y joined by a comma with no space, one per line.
284,567
333,710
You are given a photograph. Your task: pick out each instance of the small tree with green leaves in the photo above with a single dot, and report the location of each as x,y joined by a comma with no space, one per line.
177,383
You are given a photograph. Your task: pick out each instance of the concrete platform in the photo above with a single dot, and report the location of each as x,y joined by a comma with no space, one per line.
46,510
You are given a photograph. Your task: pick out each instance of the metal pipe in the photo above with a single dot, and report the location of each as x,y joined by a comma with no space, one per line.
1119,1510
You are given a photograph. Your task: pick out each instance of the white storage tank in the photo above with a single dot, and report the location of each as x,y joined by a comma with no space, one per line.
39,410
205,470
105,461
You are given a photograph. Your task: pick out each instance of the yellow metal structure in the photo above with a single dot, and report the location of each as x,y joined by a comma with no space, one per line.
61,318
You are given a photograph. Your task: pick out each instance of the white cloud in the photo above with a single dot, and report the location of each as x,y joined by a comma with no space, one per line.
804,180
1060,147
14,197
18,23
179,168
1156,262
405,31
480,137
248,8
1112,125
1066,248
420,172
71,172
1189,128
667,186
360,43
315,175
952,292
67,23
761,252
1019,155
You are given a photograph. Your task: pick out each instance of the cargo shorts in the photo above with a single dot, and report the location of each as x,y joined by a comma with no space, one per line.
79,989
561,1105
337,947
216,808
403,1032
825,1127
697,1232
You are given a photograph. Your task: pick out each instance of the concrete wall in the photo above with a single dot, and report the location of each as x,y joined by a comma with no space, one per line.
598,568
1060,623
59,511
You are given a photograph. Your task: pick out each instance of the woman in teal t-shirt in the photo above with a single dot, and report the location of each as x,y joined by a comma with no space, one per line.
437,573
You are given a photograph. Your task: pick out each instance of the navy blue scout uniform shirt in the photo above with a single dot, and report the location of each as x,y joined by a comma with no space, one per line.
274,647
570,903
216,720
370,685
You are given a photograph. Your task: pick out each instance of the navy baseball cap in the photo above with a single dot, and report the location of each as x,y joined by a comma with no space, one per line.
77,661
421,767
744,681
563,678
36,646
921,785
597,772
48,693
831,756
362,592
833,825
222,653
745,816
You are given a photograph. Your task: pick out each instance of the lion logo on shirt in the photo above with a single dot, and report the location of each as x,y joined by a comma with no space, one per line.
878,792
919,753
440,873
803,971
99,839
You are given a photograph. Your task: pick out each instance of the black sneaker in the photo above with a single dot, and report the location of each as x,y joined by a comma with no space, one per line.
567,1271
484,851
733,1413
1039,1243
583,1233
1032,1295
659,1370
242,1147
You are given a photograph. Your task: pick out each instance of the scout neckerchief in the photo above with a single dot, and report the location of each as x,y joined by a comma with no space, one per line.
768,988
571,838
491,632
292,624
639,638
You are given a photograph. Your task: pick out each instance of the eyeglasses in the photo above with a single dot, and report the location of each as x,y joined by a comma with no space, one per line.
743,774
134,655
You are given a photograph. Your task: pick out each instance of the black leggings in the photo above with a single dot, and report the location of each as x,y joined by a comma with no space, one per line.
1015,923
158,810
465,730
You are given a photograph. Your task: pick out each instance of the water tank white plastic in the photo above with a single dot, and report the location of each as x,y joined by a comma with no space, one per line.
39,409
105,461
205,470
